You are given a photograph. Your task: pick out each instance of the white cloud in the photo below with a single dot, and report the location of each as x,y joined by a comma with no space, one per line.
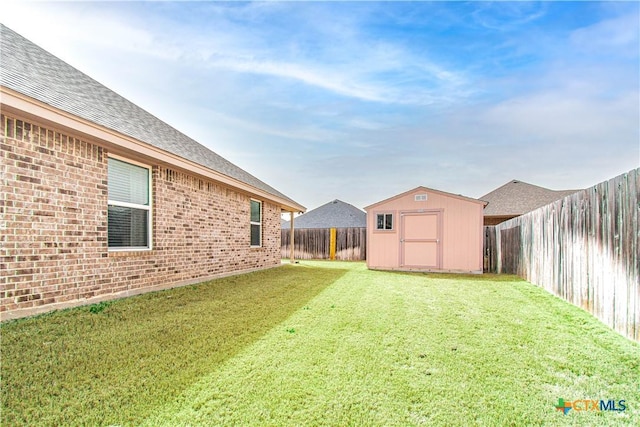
507,15
355,67
406,79
555,117
308,75
269,84
291,132
95,25
616,36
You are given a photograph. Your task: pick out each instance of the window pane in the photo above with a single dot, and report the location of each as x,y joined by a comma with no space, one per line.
388,223
380,222
127,227
255,235
255,211
128,183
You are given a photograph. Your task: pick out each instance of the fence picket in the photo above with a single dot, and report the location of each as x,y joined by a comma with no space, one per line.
314,243
583,248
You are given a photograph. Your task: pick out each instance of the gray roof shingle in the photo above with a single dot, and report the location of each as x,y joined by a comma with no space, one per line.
517,198
335,214
30,70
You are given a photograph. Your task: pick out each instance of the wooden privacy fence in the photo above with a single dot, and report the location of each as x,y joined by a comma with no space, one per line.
583,248
348,244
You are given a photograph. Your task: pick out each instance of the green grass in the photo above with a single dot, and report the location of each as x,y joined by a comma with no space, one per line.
117,362
320,343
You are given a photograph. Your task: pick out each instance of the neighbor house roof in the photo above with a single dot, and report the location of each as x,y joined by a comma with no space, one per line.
335,214
31,71
516,198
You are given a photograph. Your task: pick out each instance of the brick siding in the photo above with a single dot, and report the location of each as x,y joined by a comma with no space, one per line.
54,250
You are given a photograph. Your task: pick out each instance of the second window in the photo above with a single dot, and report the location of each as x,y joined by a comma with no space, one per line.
256,223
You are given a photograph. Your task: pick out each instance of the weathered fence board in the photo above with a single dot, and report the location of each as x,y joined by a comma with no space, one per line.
583,248
315,243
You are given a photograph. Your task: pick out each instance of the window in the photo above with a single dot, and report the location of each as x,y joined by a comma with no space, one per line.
256,223
129,205
384,221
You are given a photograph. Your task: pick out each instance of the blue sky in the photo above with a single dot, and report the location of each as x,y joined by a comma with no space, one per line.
360,101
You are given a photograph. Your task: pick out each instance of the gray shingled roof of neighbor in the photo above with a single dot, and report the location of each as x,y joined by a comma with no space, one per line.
32,71
335,214
517,198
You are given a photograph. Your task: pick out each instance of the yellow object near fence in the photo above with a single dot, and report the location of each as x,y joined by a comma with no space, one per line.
332,244
315,243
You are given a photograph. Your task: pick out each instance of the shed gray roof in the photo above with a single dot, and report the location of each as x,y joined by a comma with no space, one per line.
335,214
517,198
30,70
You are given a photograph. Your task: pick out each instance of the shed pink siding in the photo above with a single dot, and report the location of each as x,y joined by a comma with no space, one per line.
458,234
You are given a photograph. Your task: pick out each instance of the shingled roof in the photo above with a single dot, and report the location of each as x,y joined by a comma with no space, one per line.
30,70
517,197
335,214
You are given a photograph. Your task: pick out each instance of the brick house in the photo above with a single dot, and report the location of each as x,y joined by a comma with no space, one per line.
101,200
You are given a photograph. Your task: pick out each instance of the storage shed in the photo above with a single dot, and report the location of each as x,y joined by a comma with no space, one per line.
425,230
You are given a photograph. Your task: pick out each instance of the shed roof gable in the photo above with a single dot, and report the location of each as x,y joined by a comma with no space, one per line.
426,190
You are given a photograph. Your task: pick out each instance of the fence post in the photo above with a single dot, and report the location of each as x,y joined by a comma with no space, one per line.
332,244
292,258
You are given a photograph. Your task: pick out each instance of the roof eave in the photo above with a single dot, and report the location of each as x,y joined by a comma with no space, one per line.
29,108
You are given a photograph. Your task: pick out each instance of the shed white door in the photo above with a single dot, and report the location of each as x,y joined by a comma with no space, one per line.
421,240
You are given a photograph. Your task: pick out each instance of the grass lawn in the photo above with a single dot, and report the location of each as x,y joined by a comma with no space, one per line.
320,343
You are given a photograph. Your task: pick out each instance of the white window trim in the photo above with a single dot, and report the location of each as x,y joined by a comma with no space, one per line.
135,206
393,221
258,223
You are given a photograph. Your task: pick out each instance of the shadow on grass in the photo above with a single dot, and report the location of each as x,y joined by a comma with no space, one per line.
115,363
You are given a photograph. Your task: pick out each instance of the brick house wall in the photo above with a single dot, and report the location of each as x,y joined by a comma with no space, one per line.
54,249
